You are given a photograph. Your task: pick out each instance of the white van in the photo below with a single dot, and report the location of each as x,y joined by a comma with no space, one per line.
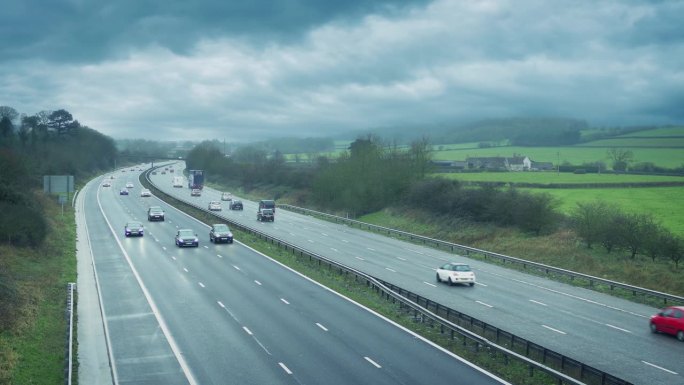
178,181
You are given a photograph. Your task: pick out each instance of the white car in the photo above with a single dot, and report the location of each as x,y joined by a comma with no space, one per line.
226,196
129,185
453,273
215,206
195,192
145,193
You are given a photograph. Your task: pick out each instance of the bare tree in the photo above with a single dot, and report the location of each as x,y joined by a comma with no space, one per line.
620,157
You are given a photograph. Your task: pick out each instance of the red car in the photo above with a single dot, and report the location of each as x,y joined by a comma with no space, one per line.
670,320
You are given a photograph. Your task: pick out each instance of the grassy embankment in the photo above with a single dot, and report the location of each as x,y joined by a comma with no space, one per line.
33,351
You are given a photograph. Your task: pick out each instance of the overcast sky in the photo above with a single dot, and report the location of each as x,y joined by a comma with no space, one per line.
246,70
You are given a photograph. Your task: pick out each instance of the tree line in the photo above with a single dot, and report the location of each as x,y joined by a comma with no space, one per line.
602,223
372,175
46,143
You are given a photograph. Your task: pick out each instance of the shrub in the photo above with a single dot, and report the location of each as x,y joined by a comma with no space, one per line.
10,301
21,225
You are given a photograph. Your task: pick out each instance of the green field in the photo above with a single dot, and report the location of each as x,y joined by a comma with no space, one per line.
666,204
549,177
665,131
627,142
665,157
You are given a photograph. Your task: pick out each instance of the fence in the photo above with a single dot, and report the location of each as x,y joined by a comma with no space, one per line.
69,345
456,324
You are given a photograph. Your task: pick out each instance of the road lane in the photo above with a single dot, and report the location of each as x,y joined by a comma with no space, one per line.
596,325
239,317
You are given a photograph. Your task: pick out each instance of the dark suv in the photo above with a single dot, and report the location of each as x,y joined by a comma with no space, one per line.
220,233
155,213
235,205
267,204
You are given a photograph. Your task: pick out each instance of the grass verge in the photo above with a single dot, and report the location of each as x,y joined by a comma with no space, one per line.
33,350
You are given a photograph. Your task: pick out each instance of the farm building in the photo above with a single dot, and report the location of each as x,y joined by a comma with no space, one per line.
514,163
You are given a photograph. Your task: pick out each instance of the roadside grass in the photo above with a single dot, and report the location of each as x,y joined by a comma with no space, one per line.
663,157
508,369
560,249
33,352
550,177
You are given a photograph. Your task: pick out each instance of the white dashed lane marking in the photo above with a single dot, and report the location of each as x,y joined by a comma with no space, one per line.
484,304
359,258
321,326
284,301
201,284
285,368
659,367
430,284
373,362
538,303
393,271
554,330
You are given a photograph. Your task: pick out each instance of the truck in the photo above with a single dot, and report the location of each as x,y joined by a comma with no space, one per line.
195,179
178,181
267,204
266,210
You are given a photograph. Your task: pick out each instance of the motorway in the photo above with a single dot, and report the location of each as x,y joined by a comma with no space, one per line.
224,314
606,332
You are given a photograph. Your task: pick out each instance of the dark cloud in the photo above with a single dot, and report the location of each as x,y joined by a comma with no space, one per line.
88,30
246,70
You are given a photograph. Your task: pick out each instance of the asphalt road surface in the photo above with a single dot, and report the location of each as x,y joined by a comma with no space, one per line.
606,332
223,314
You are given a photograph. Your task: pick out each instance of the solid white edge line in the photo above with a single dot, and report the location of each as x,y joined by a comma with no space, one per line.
221,304
103,314
247,330
162,324
555,330
659,367
373,362
414,334
285,368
